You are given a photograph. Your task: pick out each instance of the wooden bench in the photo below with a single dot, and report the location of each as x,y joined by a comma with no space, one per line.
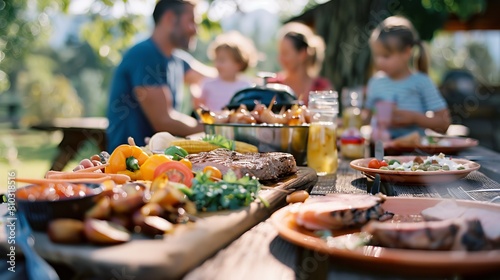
76,131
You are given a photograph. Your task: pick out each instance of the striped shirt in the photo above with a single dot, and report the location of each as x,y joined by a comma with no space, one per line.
415,93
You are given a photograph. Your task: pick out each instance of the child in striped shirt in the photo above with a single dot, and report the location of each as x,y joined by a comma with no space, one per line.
409,88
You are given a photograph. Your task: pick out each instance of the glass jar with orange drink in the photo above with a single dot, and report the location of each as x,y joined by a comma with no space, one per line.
322,139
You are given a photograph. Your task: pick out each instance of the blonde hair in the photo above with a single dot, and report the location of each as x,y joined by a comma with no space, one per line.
401,29
303,38
242,48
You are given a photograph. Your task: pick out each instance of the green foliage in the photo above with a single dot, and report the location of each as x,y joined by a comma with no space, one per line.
208,29
464,9
19,33
473,56
419,12
46,95
109,37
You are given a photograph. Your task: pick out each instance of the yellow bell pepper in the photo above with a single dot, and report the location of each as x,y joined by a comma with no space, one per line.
127,160
148,168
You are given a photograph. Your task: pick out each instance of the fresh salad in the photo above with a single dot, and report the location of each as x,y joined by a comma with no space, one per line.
418,164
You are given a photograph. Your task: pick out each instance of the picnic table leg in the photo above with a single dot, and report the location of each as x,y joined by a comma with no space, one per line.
71,142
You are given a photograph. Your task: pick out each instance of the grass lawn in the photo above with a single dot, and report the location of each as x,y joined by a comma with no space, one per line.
29,153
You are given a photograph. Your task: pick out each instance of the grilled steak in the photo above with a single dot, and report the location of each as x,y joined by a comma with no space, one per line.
454,234
264,166
337,211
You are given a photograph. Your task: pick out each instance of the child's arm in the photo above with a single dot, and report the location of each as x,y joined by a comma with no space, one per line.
439,122
366,116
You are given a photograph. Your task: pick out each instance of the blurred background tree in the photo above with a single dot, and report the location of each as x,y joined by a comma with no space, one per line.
31,69
347,25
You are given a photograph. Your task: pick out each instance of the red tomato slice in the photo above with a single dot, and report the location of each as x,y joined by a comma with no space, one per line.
176,172
383,163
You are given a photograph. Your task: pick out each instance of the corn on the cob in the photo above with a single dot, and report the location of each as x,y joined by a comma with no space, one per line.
198,146
243,147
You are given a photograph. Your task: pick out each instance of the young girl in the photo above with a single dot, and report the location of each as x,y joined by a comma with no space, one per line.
301,54
417,103
232,54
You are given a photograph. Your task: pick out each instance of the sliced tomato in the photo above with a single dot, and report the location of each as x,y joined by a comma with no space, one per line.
383,163
176,172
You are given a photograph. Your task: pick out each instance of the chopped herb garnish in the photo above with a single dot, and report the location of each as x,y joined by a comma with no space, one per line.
229,193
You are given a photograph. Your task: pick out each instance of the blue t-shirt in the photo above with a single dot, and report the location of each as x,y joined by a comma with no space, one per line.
142,65
416,93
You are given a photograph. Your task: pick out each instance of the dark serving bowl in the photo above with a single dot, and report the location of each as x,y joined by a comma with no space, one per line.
282,94
267,138
40,212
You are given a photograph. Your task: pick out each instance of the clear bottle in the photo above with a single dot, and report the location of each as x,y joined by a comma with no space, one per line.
322,139
352,102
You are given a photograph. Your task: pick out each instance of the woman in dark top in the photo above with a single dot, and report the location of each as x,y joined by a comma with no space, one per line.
301,54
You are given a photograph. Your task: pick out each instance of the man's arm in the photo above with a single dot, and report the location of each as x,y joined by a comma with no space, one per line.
198,71
156,102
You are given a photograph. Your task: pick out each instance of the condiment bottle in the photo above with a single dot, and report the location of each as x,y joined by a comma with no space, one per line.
352,142
322,139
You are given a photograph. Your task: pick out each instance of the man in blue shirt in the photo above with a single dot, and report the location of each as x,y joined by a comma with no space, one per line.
150,77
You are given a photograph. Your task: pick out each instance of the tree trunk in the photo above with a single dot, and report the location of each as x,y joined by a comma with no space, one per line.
346,27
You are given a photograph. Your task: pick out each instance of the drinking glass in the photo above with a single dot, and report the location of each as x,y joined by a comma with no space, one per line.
322,140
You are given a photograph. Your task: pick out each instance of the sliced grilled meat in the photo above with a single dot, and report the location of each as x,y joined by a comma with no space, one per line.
264,166
454,234
338,211
449,209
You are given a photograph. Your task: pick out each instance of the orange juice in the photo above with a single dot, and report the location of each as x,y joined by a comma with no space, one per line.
322,148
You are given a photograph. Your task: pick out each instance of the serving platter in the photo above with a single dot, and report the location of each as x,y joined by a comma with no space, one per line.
413,177
415,262
456,144
176,253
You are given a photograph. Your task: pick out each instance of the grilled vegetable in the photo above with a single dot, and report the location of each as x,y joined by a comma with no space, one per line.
175,172
127,160
176,152
198,146
150,165
194,146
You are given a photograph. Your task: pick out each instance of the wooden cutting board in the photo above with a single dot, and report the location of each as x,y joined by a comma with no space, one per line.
175,254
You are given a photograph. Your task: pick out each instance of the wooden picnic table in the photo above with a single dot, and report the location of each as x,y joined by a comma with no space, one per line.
76,131
261,253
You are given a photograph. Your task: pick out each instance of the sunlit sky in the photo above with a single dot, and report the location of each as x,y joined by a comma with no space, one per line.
146,7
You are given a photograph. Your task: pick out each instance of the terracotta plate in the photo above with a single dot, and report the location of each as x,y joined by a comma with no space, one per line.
397,260
457,144
412,177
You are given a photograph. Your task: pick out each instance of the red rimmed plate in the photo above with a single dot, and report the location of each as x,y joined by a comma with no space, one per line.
414,177
401,260
455,145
